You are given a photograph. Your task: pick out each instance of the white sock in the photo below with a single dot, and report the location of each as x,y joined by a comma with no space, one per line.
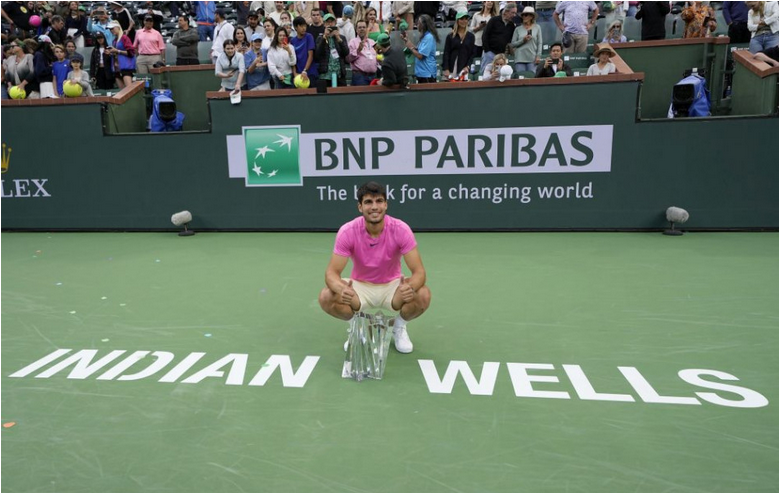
399,322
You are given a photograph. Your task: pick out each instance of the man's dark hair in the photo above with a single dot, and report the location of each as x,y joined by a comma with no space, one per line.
556,43
371,188
300,21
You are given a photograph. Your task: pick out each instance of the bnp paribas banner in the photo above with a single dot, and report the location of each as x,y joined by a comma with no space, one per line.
284,156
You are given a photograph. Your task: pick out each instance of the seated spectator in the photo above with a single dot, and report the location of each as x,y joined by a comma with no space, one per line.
615,33
770,56
699,20
603,66
76,23
492,70
230,67
80,77
763,25
554,63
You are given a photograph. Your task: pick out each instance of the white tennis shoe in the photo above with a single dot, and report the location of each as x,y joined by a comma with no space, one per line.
401,340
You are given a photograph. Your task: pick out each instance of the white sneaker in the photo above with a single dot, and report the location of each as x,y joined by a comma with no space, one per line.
401,340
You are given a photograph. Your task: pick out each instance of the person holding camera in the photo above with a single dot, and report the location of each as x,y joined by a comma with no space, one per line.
98,22
554,63
331,52
527,42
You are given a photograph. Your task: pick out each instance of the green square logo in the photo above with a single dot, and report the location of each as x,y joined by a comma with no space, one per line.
272,156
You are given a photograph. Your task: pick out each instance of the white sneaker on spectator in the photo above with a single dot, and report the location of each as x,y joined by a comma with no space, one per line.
402,342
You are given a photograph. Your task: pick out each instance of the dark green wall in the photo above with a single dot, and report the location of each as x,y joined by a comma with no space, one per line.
137,182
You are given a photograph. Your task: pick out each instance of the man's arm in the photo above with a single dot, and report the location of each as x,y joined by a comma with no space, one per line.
418,276
334,273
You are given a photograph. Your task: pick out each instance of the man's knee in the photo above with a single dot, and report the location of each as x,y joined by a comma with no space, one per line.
326,298
425,296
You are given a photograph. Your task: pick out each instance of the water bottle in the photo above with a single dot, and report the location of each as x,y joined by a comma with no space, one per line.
334,79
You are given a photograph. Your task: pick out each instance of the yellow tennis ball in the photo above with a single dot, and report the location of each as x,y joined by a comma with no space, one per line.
17,93
72,89
301,82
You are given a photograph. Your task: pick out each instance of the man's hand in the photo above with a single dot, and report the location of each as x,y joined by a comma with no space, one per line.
347,294
406,291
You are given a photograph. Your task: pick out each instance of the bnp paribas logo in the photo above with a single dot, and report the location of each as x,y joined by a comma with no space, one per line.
272,156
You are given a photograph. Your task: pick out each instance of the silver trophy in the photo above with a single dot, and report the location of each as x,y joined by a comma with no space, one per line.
368,346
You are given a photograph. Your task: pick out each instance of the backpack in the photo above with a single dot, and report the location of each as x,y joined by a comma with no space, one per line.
693,86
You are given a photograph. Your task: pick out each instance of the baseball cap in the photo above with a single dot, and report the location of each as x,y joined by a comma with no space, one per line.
329,16
257,37
252,14
383,40
44,39
113,25
462,14
347,11
148,18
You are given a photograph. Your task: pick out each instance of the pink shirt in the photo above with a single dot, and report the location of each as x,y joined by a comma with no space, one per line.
376,261
365,61
149,42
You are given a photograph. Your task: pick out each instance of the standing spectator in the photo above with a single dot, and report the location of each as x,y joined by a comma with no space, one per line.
18,16
402,12
554,63
527,42
205,20
498,34
257,71
305,10
345,24
459,49
285,23
70,51
633,8
281,60
653,17
304,45
241,41
123,56
275,14
150,47
186,41
394,70
699,20
545,11
157,15
426,68
60,69
577,22
230,67
123,16
253,27
223,31
614,11
42,61
317,28
334,8
479,22
614,34
101,63
100,24
420,8
374,29
57,32
243,11
80,77
603,66
20,69
269,34
763,25
736,16
76,23
331,53
362,56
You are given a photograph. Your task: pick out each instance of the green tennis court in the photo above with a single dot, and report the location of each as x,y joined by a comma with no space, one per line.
612,362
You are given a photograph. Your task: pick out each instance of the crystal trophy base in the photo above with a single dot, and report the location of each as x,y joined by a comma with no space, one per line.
368,346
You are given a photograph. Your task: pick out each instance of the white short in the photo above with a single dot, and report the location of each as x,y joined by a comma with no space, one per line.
375,296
